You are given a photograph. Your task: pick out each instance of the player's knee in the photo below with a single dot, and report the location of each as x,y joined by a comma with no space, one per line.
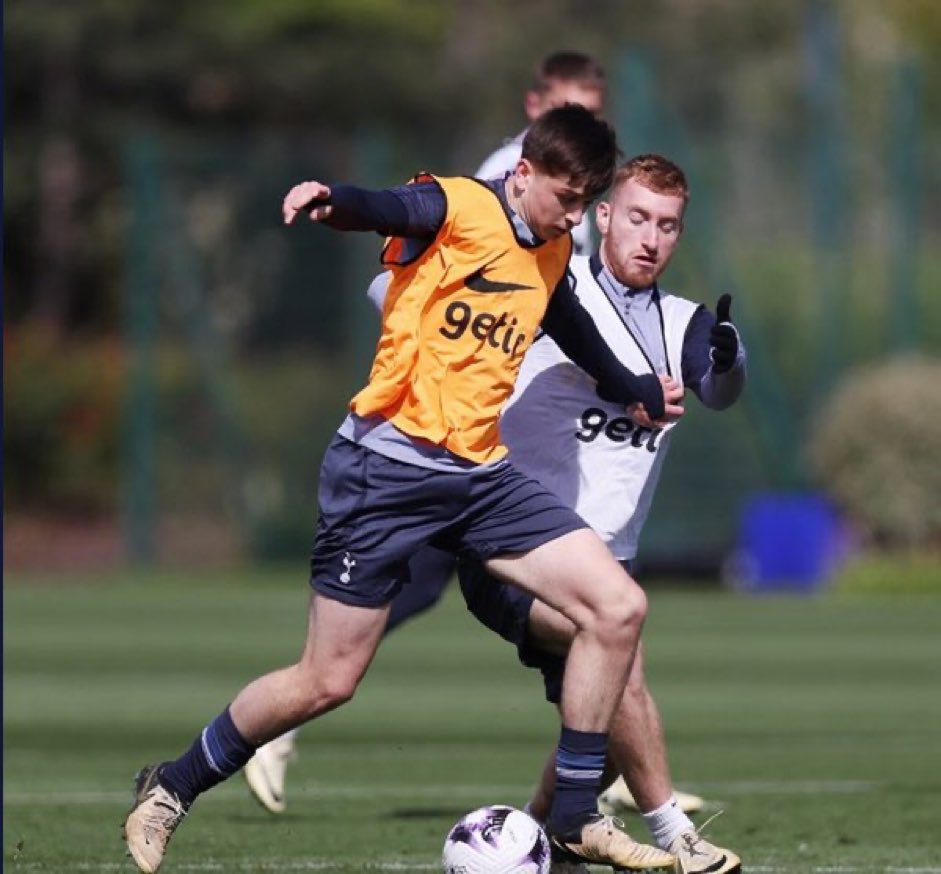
339,688
326,692
623,612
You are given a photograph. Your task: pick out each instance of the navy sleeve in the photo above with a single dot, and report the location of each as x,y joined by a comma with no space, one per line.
414,211
696,359
717,391
567,322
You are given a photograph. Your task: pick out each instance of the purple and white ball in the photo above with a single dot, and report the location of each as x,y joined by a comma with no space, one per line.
496,840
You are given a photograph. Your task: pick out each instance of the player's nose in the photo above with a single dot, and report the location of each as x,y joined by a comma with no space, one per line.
651,239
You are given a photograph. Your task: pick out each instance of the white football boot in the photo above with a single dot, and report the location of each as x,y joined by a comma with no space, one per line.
265,771
617,798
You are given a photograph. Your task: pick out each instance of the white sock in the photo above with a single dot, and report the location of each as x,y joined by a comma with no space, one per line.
667,823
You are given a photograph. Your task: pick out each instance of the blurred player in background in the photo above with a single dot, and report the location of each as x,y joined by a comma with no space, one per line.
479,268
560,78
606,464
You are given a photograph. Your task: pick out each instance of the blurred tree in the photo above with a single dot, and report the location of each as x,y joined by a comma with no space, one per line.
238,96
79,76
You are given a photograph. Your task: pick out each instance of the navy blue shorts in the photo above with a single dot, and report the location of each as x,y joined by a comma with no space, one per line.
430,570
505,610
376,513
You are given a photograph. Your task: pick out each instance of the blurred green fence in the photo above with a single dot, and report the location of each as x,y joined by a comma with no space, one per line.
247,338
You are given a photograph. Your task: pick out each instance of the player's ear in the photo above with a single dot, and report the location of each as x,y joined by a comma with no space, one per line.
523,173
603,216
520,178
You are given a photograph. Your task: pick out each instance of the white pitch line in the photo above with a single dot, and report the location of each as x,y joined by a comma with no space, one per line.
784,787
839,869
250,865
451,791
320,864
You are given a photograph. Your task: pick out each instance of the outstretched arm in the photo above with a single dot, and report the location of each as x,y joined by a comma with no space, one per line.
415,211
567,322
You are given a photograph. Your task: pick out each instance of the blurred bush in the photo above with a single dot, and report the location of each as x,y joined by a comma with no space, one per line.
244,448
62,401
878,452
245,453
906,572
291,407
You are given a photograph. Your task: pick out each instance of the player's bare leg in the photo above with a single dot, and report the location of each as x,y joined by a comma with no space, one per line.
577,575
431,570
636,743
638,746
341,642
638,750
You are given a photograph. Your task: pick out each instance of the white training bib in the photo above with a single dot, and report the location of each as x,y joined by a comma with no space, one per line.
584,449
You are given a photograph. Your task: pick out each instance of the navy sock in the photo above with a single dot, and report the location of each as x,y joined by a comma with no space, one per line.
215,755
579,762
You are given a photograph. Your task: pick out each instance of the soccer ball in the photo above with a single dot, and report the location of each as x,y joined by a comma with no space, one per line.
496,840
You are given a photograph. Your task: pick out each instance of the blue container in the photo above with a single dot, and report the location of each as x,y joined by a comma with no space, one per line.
790,542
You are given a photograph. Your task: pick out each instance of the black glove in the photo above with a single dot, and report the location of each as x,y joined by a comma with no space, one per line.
723,338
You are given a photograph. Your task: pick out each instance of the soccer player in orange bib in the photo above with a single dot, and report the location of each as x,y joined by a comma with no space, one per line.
479,269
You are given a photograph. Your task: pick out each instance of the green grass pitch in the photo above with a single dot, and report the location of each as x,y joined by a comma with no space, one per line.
815,723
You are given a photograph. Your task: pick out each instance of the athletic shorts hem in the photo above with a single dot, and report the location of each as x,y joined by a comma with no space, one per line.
487,550
352,599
